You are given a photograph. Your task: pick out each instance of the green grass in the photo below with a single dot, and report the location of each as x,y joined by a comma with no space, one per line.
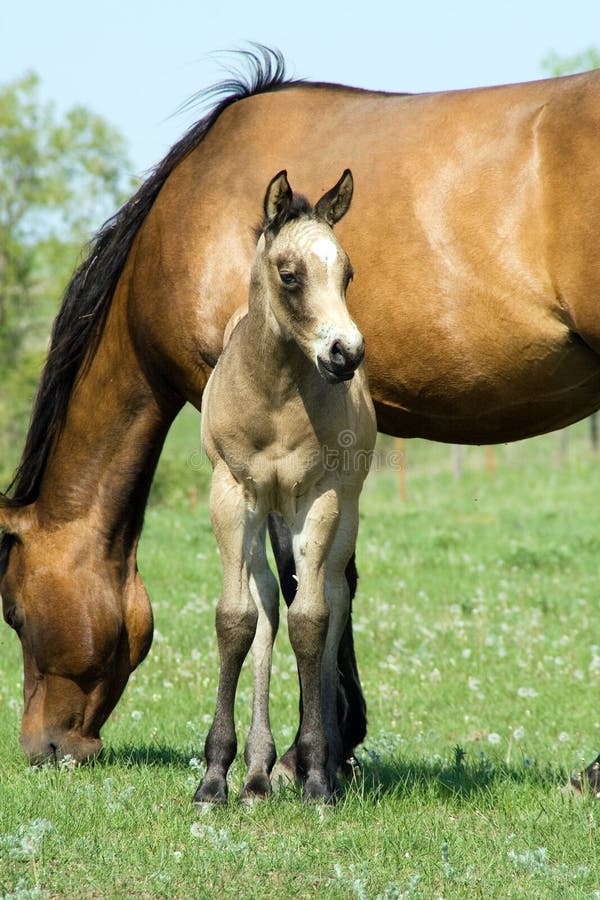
477,639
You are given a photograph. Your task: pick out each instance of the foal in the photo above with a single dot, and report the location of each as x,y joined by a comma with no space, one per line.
289,427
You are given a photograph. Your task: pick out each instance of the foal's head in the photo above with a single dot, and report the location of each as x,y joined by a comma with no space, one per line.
301,272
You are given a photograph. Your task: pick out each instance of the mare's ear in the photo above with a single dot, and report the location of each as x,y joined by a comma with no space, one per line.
278,201
335,203
14,519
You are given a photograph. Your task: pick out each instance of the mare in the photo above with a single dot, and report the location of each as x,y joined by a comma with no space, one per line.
287,389
475,239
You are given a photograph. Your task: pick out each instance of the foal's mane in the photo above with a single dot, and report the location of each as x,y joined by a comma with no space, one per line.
79,325
300,208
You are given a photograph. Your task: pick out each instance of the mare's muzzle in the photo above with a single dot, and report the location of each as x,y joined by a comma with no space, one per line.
341,362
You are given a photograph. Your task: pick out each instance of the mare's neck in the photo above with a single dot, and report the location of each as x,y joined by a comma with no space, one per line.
101,466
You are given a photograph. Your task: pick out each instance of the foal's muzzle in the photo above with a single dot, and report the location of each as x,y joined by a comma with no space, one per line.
341,362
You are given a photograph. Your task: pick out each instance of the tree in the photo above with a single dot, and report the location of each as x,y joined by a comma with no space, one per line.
60,178
553,64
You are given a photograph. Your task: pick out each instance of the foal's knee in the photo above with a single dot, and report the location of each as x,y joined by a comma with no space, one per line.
236,626
307,628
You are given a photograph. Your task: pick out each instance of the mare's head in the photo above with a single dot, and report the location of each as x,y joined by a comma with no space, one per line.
84,624
302,273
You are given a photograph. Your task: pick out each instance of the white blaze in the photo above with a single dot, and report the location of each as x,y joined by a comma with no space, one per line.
326,250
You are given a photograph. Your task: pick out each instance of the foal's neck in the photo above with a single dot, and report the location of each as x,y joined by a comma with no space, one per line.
274,361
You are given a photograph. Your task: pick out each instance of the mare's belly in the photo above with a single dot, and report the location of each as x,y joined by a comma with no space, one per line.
486,387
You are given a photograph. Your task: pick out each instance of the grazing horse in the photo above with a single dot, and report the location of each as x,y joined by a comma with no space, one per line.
475,240
289,427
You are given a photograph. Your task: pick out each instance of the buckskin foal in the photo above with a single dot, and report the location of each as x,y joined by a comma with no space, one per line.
289,427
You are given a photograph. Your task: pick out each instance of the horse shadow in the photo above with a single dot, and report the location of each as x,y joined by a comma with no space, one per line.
462,777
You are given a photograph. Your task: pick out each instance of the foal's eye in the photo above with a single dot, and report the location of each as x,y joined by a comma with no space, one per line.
288,278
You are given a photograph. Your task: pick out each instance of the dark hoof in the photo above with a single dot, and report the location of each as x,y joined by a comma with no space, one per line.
588,782
256,787
317,789
213,791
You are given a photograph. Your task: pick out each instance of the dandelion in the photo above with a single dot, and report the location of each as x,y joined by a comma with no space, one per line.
220,840
136,715
195,765
519,733
493,738
68,763
524,692
563,737
25,844
534,860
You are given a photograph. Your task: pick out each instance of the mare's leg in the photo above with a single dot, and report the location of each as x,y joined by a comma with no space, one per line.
260,747
352,708
236,619
308,621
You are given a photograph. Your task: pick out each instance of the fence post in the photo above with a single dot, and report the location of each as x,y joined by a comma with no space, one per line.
400,456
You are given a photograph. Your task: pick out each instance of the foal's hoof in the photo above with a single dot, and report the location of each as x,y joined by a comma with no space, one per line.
256,787
211,791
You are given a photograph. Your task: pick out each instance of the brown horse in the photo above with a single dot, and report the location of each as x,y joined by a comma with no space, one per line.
289,427
474,238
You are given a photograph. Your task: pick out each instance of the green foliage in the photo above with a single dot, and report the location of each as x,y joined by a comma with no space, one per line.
477,641
554,64
60,177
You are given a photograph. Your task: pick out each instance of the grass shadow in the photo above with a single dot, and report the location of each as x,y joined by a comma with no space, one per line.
461,778
144,755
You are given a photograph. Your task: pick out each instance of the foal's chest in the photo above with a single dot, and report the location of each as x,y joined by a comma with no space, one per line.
286,454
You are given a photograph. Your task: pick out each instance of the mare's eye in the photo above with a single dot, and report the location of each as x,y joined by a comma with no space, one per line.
288,278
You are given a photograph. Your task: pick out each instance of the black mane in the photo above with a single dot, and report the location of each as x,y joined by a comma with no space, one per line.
79,324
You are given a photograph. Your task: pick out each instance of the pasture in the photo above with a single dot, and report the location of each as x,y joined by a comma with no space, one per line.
479,649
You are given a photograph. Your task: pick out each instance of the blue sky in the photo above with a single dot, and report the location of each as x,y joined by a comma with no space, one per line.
137,61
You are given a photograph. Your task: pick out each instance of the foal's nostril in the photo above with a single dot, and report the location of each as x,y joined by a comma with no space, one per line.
337,354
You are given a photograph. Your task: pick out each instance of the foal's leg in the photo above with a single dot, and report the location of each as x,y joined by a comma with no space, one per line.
352,708
308,619
236,619
260,747
338,601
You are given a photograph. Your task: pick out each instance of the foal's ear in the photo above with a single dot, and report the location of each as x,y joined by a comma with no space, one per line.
335,203
278,200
